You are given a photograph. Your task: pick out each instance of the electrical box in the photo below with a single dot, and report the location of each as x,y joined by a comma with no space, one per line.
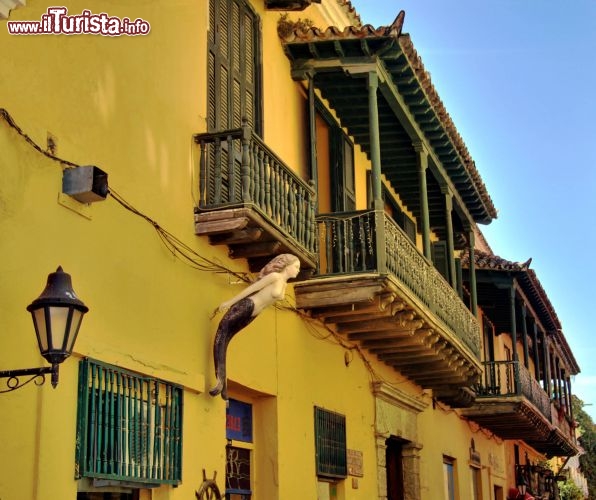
85,184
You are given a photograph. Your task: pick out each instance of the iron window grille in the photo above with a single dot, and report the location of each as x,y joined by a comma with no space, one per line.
129,427
330,444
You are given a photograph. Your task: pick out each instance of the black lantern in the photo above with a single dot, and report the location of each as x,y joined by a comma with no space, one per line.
57,314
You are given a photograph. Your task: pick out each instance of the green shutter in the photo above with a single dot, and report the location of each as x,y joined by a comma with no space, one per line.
129,427
440,258
233,66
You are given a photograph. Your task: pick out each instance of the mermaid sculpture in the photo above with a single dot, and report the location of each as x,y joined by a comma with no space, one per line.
244,307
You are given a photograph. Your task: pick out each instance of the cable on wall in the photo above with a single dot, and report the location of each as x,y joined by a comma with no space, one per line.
193,259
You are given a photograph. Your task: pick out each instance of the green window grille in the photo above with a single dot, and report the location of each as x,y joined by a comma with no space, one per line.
330,443
129,427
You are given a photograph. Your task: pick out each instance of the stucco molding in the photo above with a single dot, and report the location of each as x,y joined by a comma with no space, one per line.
398,398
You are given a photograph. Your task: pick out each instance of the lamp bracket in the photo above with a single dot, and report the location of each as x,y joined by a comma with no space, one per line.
37,375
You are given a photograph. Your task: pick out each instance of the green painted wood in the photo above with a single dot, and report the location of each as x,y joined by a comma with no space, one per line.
472,272
422,160
266,182
450,244
375,140
525,336
513,320
132,425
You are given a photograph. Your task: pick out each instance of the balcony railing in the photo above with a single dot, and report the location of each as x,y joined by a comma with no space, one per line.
368,241
237,170
510,378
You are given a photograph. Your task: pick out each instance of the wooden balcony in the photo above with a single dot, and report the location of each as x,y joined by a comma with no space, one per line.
251,201
513,405
375,288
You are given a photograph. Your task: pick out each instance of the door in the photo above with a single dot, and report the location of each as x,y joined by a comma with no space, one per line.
395,469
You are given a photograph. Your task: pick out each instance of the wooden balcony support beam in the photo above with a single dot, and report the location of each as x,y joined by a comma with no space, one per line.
219,226
343,294
385,324
246,235
428,342
384,304
392,334
257,250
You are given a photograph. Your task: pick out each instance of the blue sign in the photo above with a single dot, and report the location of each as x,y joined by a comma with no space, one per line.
239,421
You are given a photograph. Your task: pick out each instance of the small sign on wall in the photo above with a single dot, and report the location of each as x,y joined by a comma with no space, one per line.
239,421
355,463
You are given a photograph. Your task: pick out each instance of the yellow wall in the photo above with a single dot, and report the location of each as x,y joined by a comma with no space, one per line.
130,105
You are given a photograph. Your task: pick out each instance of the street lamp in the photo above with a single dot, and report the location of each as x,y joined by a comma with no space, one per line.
57,314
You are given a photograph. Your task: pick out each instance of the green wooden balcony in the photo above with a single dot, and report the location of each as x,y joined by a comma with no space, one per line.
376,288
513,405
251,201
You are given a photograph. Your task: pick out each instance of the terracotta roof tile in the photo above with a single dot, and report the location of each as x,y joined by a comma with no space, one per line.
437,104
394,30
533,288
313,34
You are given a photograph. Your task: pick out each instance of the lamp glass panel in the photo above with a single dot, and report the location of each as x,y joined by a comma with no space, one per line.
75,324
40,328
58,317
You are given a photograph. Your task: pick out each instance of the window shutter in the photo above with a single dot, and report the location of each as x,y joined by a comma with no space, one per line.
440,259
233,66
409,227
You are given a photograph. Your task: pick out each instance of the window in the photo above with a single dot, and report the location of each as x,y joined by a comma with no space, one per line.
449,478
129,427
234,66
238,452
238,473
330,444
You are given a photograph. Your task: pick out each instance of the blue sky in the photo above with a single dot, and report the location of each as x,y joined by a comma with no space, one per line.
518,78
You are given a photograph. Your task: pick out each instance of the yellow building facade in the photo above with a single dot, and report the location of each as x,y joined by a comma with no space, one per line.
232,131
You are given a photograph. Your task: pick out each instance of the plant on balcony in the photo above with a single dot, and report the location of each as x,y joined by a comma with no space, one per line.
285,25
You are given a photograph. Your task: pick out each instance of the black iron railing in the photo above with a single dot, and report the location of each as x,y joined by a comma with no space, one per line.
510,378
369,241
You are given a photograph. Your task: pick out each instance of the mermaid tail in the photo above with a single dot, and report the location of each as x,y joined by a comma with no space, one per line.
234,320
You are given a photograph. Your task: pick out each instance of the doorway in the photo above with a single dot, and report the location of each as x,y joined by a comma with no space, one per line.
395,468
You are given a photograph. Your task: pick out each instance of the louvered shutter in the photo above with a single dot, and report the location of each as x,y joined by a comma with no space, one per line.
440,259
233,66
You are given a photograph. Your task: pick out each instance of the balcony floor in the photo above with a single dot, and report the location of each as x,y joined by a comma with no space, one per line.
249,235
515,417
375,312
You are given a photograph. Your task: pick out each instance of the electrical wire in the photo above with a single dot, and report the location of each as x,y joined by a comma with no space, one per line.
193,259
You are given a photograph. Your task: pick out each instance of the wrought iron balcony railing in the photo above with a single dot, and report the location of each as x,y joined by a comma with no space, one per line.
238,170
509,379
368,241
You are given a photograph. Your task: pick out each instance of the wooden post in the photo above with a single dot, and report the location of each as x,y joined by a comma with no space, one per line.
375,156
245,165
449,228
570,398
422,160
525,336
203,176
535,350
547,370
312,133
472,268
514,334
